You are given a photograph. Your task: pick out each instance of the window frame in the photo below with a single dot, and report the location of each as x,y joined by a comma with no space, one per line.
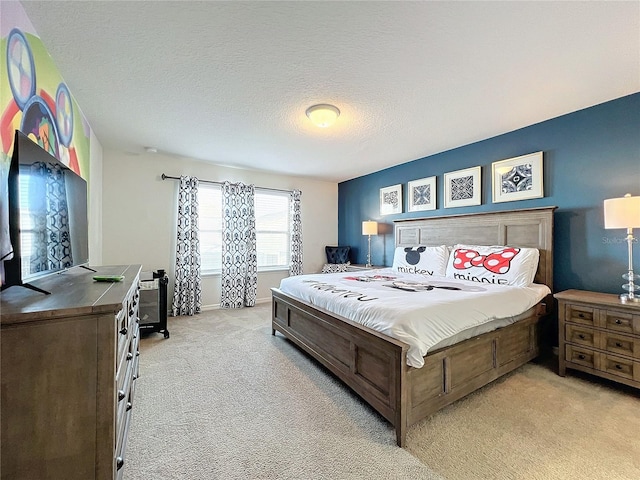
258,191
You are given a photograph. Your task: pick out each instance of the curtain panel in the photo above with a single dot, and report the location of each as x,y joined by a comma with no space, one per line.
239,276
295,267
187,294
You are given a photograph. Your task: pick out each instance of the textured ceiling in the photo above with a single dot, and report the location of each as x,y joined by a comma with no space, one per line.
229,82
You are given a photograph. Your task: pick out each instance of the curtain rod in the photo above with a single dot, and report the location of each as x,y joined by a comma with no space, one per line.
164,177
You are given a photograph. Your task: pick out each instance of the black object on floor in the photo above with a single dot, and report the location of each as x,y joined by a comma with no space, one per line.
153,303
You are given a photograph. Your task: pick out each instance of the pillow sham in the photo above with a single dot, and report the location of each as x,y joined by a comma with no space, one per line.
499,265
335,267
421,260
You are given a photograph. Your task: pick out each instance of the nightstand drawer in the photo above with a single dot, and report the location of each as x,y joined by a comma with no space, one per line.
581,356
581,335
580,314
619,366
618,321
620,344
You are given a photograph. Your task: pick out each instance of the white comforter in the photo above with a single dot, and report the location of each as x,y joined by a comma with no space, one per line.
404,307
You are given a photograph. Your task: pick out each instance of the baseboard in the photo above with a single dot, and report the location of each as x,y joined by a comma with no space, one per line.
216,306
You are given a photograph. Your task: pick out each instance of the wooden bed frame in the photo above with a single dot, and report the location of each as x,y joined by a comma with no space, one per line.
375,365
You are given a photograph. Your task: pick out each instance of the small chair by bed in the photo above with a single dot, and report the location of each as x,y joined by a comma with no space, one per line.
337,259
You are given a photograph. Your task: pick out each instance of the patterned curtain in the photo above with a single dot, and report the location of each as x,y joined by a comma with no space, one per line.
49,223
187,295
296,234
239,258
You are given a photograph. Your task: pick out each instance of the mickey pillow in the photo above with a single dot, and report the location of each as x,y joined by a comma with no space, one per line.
421,260
498,265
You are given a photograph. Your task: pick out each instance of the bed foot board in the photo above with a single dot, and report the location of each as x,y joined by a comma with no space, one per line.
375,367
372,364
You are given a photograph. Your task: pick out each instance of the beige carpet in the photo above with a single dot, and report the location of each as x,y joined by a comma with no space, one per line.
534,424
222,398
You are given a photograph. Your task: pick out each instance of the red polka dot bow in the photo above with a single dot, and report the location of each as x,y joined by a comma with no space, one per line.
498,262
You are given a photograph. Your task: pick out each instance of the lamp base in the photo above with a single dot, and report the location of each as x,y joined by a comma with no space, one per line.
624,298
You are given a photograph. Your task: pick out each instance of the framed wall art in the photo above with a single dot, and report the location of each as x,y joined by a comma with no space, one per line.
421,195
391,199
462,188
518,178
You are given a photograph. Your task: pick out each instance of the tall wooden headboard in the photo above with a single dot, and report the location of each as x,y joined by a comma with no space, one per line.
517,228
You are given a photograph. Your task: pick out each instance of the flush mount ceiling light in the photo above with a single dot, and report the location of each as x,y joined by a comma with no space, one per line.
323,115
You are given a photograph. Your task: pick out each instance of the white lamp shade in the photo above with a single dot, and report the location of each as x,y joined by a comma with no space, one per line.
323,115
622,212
370,228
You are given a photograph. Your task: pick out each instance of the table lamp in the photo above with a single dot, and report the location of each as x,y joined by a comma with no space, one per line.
369,228
625,213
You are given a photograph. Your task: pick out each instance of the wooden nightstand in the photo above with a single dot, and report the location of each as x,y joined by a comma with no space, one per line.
359,267
599,335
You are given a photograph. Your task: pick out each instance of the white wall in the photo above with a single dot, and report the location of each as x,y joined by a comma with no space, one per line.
95,201
139,211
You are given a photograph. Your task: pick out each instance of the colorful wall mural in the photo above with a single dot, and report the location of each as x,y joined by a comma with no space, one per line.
35,100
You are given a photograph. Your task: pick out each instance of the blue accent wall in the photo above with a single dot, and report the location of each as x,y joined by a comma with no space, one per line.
589,155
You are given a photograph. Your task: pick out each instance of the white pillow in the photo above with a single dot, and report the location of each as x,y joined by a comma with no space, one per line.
498,264
421,260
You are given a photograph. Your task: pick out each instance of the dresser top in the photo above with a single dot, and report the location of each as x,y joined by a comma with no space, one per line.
603,299
73,292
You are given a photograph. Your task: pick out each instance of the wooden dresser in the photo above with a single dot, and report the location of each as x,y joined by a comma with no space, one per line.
69,365
600,335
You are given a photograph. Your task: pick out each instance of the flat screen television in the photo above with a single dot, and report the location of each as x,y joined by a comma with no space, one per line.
48,224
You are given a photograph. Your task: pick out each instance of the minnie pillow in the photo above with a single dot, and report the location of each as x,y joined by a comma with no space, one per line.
421,260
499,265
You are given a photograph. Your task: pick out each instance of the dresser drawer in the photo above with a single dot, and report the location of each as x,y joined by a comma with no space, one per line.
620,344
581,335
619,321
620,366
581,356
580,314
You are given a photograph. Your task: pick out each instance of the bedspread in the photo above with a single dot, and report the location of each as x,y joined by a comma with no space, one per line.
418,310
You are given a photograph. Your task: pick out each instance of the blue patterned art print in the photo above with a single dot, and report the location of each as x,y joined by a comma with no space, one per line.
518,179
462,188
391,198
422,194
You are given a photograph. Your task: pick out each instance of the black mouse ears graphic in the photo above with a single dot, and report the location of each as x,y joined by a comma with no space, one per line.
413,254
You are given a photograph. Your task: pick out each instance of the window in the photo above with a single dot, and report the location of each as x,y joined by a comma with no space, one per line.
210,221
272,228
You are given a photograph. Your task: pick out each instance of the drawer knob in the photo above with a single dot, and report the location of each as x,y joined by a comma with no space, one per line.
618,366
135,377
581,357
581,315
121,394
618,321
618,344
137,353
129,356
129,405
581,336
123,331
119,462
